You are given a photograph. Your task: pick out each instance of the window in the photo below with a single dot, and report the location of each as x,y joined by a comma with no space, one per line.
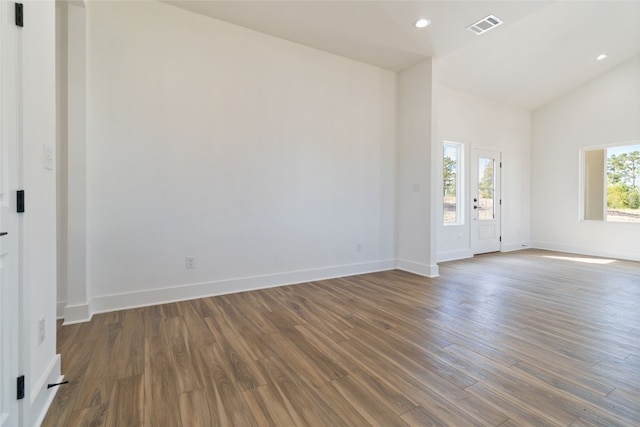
611,183
452,183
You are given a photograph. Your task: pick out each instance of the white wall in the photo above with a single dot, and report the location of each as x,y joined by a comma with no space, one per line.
603,111
267,161
76,150
478,123
72,247
415,233
40,363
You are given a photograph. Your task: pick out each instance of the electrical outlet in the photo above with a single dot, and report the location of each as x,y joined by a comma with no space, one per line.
41,331
191,262
359,247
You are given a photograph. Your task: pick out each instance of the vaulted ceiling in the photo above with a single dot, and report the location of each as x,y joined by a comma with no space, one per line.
543,49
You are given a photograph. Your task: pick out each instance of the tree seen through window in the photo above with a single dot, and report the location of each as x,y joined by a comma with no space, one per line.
623,183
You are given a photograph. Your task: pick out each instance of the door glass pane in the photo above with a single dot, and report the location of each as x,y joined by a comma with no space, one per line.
486,188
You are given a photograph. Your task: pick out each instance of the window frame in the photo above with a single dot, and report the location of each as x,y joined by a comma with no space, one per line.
460,180
582,196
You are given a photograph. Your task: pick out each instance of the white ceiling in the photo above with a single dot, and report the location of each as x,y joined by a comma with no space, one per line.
543,49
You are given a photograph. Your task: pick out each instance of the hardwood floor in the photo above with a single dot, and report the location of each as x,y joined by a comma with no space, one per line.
529,338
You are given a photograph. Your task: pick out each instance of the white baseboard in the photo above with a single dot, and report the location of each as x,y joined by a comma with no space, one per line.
41,396
581,250
518,246
418,268
107,303
464,254
454,255
77,314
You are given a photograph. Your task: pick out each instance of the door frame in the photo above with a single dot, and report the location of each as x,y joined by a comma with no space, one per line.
11,320
494,245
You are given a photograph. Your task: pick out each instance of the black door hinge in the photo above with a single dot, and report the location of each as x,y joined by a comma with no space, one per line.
19,15
501,238
20,201
20,387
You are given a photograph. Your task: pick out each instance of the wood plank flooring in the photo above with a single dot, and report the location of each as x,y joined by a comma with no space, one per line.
529,338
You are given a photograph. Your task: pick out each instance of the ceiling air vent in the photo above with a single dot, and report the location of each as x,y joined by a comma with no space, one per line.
484,25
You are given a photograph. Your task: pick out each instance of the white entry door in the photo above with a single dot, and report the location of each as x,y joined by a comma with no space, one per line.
485,201
10,302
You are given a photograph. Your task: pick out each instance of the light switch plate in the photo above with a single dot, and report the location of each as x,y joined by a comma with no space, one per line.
48,157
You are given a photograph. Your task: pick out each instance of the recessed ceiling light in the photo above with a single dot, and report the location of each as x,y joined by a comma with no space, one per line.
421,23
601,57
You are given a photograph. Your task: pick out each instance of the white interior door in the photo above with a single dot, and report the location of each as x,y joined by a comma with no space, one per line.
10,303
485,201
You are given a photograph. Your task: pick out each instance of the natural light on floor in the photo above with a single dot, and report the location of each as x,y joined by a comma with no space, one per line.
584,260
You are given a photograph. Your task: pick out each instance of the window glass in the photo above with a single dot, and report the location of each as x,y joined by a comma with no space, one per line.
623,183
452,183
